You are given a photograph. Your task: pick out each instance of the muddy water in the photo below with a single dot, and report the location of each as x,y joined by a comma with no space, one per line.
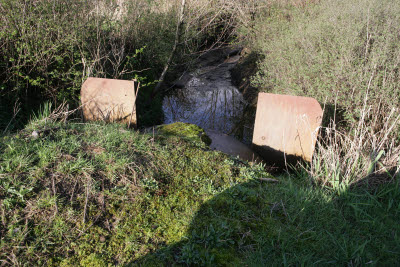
207,98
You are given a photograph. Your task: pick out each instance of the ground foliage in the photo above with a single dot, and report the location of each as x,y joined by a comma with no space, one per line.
84,194
49,48
333,51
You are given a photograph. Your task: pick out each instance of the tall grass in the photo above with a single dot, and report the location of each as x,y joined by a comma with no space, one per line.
345,159
346,54
333,51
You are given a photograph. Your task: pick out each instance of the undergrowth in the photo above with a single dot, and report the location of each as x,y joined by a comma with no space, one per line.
335,51
79,190
95,194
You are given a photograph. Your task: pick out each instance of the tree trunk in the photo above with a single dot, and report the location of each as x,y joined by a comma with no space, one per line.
177,41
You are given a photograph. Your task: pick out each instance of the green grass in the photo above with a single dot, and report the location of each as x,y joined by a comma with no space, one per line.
256,224
93,194
101,195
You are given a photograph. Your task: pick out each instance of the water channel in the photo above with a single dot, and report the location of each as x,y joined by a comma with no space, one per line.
206,97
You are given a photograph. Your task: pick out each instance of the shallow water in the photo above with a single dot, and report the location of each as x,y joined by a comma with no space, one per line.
208,98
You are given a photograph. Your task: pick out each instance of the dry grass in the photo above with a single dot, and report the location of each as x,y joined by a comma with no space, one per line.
369,150
347,55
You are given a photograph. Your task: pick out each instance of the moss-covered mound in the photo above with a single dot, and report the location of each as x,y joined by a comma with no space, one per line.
92,193
102,195
187,131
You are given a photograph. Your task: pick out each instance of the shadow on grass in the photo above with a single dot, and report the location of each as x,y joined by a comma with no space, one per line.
289,223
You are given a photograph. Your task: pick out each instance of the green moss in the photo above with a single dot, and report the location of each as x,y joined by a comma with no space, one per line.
185,130
93,260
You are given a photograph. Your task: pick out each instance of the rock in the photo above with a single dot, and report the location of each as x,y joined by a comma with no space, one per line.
286,128
232,60
233,51
109,100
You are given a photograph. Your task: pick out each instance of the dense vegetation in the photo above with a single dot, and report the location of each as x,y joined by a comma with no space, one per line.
96,194
346,54
48,48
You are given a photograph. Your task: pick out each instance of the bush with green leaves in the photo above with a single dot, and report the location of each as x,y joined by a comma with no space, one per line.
48,48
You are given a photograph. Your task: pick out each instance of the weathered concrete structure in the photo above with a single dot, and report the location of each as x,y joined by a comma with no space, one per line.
109,100
286,128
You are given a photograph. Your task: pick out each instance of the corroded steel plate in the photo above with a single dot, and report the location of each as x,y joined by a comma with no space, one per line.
286,127
109,100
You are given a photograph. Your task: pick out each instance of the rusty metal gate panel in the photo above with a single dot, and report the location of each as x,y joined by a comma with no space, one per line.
286,128
109,100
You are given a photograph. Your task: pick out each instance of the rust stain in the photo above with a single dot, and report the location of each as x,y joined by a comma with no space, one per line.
286,126
109,100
